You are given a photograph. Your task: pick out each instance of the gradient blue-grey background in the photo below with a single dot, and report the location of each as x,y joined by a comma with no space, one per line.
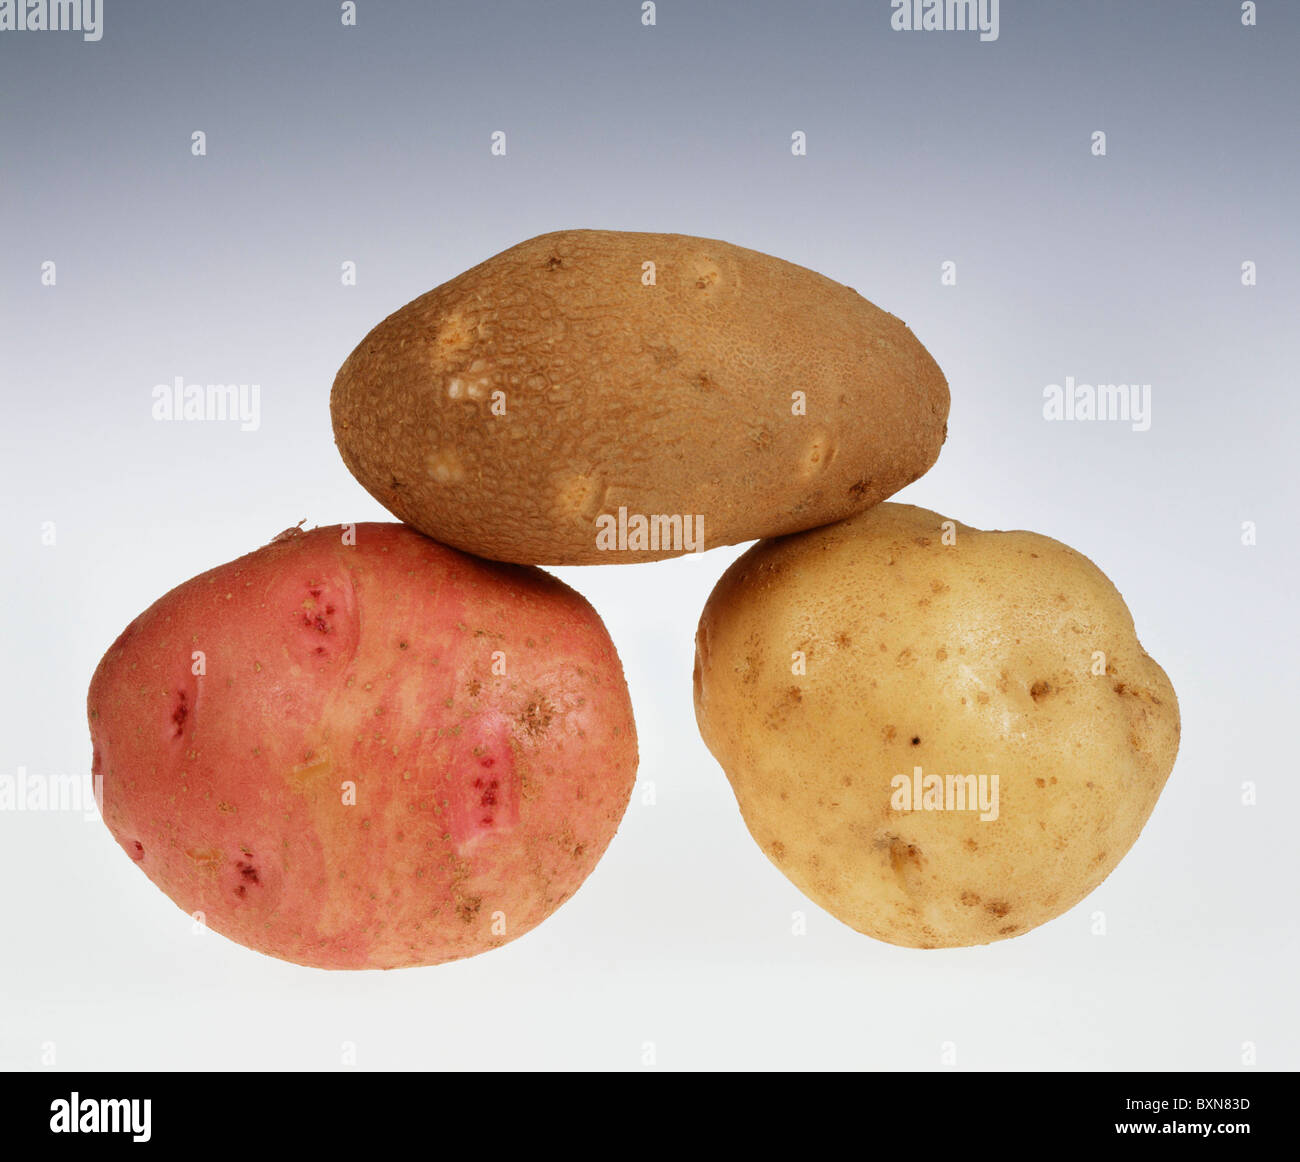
371,144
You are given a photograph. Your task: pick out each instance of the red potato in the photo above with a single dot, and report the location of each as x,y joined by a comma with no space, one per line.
365,755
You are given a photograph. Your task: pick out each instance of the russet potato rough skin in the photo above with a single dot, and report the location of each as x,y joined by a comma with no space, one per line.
481,799
970,658
671,399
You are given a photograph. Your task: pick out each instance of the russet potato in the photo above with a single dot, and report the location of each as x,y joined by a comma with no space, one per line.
596,397
942,736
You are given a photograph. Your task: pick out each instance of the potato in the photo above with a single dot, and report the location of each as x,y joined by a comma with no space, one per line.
942,736
590,396
356,748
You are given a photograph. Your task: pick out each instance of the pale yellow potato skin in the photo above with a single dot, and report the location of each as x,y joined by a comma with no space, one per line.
981,656
514,409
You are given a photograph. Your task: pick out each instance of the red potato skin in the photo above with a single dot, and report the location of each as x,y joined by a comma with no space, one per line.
350,781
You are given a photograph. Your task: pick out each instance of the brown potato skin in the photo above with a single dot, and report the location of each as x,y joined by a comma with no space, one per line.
972,657
671,399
